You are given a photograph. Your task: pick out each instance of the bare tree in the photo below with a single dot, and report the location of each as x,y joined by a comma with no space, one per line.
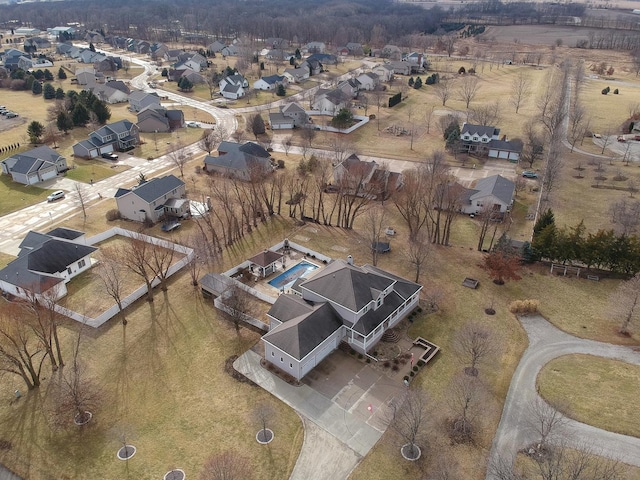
418,253
160,260
342,148
178,157
409,416
263,413
546,421
625,214
428,117
238,302
501,468
81,198
533,144
375,219
466,396
286,144
520,90
468,89
77,395
486,114
208,141
625,304
577,124
21,353
135,257
111,273
307,135
226,466
443,90
474,344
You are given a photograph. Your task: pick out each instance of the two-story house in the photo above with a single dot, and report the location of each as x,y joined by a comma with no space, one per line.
343,302
121,136
248,161
476,138
153,200
356,177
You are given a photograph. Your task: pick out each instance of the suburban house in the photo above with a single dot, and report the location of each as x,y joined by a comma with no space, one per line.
243,161
403,68
113,91
384,72
331,101
270,82
233,86
476,138
155,118
216,47
229,51
342,51
35,166
68,50
343,302
121,136
368,81
350,87
355,48
357,177
313,65
494,194
505,149
10,58
153,200
391,51
194,77
315,47
296,75
323,58
139,100
88,76
290,116
28,63
46,263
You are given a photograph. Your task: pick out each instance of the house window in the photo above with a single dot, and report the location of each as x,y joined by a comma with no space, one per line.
291,365
82,263
281,360
273,354
69,270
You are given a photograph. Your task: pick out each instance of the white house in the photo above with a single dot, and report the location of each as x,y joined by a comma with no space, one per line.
34,166
343,302
494,194
45,263
154,199
270,82
368,81
476,138
233,86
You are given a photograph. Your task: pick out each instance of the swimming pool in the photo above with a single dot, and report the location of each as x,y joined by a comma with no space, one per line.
287,278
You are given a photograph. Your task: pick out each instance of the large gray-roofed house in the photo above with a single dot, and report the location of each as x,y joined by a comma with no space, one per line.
343,302
244,161
151,200
494,193
45,263
122,135
34,166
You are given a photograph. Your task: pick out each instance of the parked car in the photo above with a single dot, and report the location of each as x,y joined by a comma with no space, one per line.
529,174
193,124
621,138
12,115
110,156
57,195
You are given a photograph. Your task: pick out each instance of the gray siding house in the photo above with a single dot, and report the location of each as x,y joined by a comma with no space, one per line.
343,302
35,166
153,200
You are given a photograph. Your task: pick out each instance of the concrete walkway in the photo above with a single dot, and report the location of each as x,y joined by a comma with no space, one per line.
546,342
336,439
6,474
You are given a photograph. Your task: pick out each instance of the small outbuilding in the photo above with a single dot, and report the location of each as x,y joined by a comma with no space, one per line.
265,262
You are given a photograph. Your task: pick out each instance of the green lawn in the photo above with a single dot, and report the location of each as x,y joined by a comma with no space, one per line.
86,170
16,196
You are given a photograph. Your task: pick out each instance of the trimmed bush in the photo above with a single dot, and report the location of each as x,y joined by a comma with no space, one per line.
113,214
368,360
421,363
616,91
360,356
352,351
387,364
524,306
395,368
415,368
406,378
411,374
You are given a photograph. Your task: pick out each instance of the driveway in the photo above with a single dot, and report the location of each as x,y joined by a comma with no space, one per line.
343,405
546,342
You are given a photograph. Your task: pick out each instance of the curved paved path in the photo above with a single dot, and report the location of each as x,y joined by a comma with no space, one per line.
546,342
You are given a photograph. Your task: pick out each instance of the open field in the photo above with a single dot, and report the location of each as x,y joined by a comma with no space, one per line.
597,391
526,465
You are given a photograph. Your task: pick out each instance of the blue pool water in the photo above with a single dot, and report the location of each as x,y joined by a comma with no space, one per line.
286,278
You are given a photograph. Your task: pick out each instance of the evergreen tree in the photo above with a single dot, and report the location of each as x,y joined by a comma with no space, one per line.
29,80
102,111
452,127
91,47
418,83
35,131
64,122
80,115
36,88
298,54
184,84
411,81
49,91
292,61
261,65
165,72
62,75
547,218
59,94
281,91
38,74
48,76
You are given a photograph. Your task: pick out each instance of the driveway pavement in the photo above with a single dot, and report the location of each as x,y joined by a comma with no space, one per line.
343,406
546,342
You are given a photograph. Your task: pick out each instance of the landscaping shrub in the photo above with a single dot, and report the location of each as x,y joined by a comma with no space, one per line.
387,364
5,445
415,368
396,361
368,360
395,368
616,91
419,309
403,361
411,374
360,356
352,352
406,378
421,363
113,214
524,306
375,353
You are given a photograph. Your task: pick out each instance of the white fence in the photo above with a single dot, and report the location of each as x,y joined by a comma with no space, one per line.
139,292
362,121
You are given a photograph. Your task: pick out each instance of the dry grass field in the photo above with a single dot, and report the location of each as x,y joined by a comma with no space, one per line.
594,390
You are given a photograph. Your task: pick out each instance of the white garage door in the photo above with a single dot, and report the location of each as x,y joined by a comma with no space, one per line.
48,175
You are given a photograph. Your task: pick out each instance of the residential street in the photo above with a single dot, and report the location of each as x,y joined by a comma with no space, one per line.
546,342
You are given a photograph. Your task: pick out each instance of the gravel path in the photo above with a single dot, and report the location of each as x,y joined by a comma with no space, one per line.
546,342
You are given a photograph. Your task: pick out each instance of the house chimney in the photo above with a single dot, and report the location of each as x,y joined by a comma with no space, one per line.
350,259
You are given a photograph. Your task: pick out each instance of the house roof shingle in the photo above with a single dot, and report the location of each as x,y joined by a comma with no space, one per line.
496,185
155,188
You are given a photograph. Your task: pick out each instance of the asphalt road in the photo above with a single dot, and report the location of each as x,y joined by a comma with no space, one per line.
546,342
